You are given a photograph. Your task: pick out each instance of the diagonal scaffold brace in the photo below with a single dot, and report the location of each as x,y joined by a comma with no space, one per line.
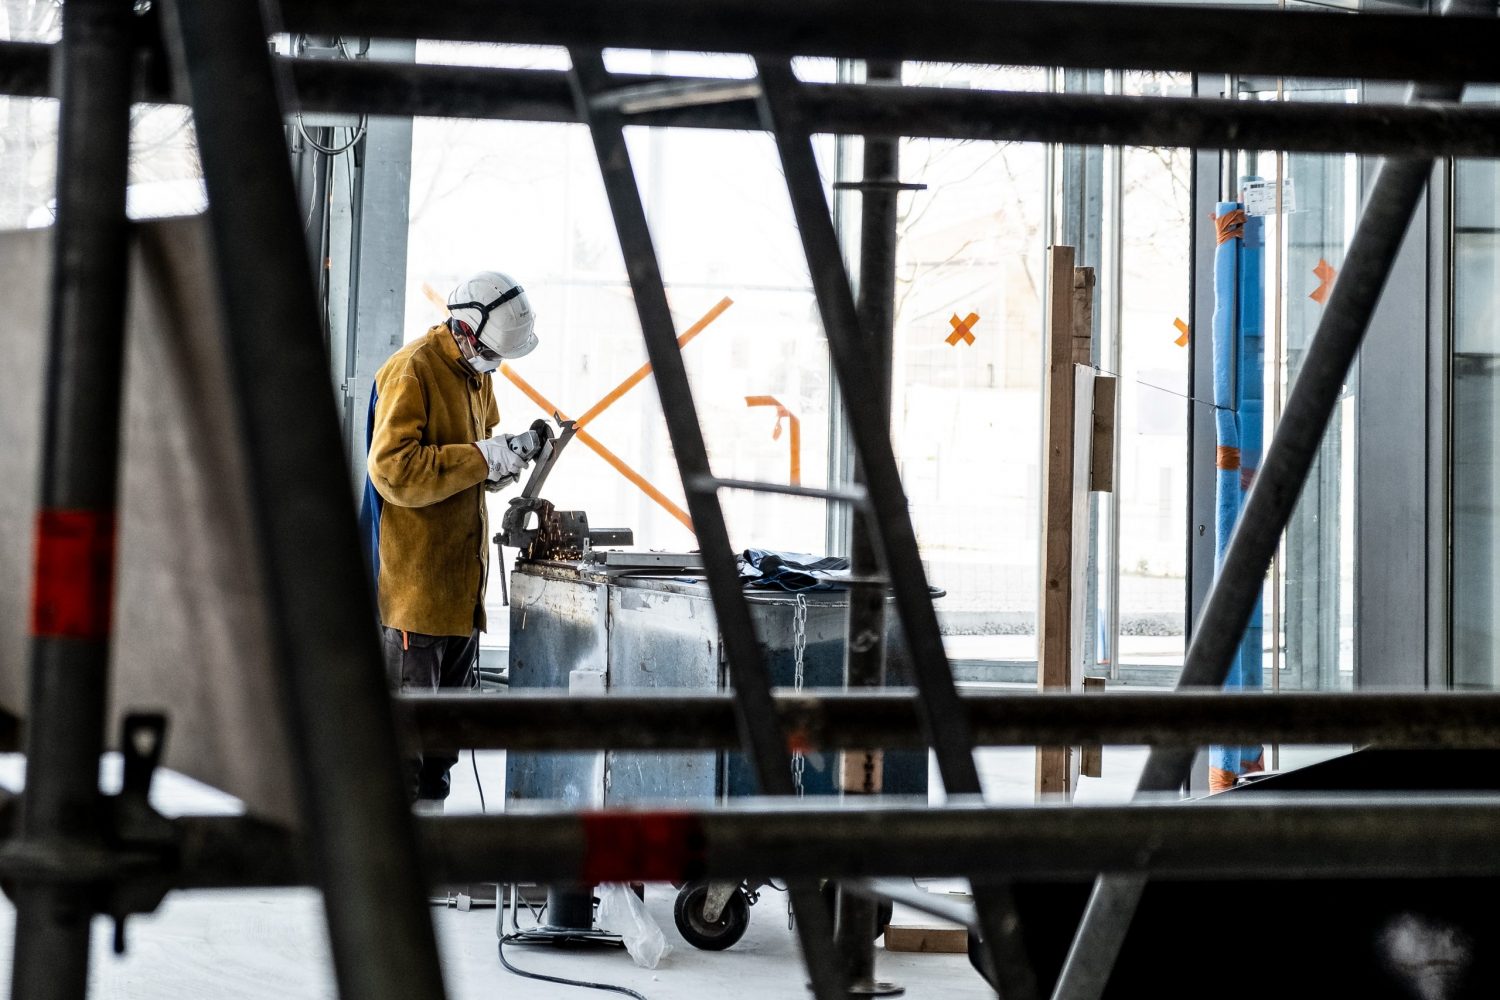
322,623
760,731
945,718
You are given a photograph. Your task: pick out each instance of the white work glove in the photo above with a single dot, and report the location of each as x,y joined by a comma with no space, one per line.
504,464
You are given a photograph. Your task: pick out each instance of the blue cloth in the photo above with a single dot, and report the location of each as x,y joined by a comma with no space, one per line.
793,571
372,504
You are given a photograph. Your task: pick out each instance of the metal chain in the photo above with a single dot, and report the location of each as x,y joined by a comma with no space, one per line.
799,656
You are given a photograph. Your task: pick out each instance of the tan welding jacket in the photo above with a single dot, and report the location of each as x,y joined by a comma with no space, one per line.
429,410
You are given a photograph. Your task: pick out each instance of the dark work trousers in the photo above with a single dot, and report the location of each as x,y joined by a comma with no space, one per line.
426,663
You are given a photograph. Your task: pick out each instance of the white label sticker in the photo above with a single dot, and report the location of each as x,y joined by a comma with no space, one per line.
1260,197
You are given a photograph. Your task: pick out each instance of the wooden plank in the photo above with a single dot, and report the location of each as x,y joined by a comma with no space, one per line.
1083,315
1102,457
1091,762
861,771
944,939
1084,377
1055,626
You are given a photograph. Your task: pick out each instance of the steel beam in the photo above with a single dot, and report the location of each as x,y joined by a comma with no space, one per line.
402,89
755,715
320,617
73,576
1014,32
891,719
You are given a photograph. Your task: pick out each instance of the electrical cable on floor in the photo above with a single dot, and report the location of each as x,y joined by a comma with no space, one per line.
607,987
477,783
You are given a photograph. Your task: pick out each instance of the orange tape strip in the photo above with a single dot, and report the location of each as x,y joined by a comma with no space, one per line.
795,441
1227,458
590,441
1230,226
640,373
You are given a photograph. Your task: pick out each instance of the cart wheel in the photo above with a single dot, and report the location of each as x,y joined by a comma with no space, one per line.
699,932
883,913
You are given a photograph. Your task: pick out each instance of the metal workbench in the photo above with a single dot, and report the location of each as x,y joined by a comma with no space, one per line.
586,629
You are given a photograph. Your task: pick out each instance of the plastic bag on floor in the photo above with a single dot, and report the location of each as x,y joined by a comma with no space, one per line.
622,912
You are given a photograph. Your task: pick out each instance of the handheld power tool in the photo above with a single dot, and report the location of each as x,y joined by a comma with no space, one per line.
527,446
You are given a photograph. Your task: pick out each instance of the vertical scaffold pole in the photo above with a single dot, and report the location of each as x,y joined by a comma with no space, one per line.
323,626
73,582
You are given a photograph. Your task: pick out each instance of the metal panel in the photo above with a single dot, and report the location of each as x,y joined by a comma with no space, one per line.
190,618
1390,472
662,639
558,625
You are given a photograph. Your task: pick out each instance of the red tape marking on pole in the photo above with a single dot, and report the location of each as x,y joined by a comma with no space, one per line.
642,847
73,580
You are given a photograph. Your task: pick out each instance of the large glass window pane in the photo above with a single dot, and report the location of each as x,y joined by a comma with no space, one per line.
528,199
1155,220
967,415
1476,421
1308,610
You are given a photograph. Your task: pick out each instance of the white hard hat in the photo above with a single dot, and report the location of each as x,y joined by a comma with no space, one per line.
495,309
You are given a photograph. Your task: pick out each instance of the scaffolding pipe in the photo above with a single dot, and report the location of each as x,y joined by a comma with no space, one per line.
856,921
321,622
1282,837
1085,35
74,541
891,719
1353,836
403,89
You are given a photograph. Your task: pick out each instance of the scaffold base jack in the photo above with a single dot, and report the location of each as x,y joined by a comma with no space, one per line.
570,921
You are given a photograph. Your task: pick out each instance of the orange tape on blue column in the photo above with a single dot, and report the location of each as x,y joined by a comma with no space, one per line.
641,847
73,574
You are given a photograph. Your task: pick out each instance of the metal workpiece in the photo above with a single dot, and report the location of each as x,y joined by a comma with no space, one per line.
944,718
891,719
760,734
321,619
1004,32
74,542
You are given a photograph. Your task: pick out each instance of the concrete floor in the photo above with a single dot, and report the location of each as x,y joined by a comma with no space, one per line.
272,945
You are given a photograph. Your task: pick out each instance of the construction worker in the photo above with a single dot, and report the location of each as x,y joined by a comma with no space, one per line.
432,455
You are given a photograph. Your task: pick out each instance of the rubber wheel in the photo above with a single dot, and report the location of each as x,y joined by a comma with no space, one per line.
699,932
883,915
